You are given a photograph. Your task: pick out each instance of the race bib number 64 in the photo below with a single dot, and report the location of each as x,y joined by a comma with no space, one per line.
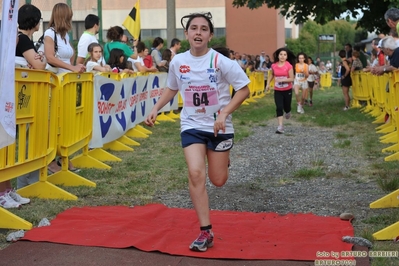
201,99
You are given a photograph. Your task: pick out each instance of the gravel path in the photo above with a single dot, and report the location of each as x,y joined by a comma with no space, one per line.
262,175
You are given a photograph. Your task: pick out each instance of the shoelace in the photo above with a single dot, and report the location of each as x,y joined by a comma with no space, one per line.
203,236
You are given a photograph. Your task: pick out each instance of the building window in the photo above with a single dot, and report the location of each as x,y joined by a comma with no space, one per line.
288,33
147,34
220,32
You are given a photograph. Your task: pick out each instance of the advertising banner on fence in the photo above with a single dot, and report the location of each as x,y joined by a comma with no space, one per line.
8,38
120,105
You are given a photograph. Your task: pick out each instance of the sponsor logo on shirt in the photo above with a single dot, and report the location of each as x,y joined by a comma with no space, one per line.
184,69
184,77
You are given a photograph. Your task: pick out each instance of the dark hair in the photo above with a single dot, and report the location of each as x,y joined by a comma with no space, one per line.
223,50
376,40
304,55
114,57
115,33
356,54
207,16
167,55
342,53
91,20
157,41
349,45
174,42
140,47
291,58
28,17
311,60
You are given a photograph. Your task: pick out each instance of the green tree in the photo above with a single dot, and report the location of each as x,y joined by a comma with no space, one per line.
324,11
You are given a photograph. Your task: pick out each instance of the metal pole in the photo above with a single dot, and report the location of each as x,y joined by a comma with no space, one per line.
170,20
100,15
69,3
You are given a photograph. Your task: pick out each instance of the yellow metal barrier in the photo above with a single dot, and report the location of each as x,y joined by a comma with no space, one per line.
75,127
325,80
36,98
388,102
360,89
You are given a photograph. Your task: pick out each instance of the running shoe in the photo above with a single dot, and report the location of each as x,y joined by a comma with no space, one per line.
16,197
298,108
346,108
288,115
280,130
310,103
7,202
203,241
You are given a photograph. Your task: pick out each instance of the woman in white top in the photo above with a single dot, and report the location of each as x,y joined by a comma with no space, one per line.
95,55
203,77
60,53
138,64
313,76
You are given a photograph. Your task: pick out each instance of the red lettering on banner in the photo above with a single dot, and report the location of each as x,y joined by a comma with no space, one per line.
154,93
121,106
104,108
133,100
143,96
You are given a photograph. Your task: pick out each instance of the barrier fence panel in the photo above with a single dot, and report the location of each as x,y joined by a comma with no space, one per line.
75,125
37,95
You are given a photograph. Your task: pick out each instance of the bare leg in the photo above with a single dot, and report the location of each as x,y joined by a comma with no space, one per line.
345,91
195,158
5,185
218,171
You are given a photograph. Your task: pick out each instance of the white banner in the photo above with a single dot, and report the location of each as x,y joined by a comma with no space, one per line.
8,37
120,105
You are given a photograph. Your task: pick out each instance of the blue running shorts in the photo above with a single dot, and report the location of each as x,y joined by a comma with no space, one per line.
222,142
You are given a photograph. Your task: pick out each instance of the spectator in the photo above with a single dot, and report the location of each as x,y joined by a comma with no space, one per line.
118,62
238,60
114,36
147,59
391,17
175,46
167,56
390,48
92,26
262,58
356,63
94,62
348,50
328,65
56,38
138,64
362,57
380,53
29,17
268,61
156,54
263,68
346,80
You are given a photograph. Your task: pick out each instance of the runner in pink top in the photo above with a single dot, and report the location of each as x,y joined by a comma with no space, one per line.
283,75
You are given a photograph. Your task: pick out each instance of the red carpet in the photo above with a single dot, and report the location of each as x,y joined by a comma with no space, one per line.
238,235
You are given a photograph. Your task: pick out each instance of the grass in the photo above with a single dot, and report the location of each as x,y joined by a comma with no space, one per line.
157,166
308,173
